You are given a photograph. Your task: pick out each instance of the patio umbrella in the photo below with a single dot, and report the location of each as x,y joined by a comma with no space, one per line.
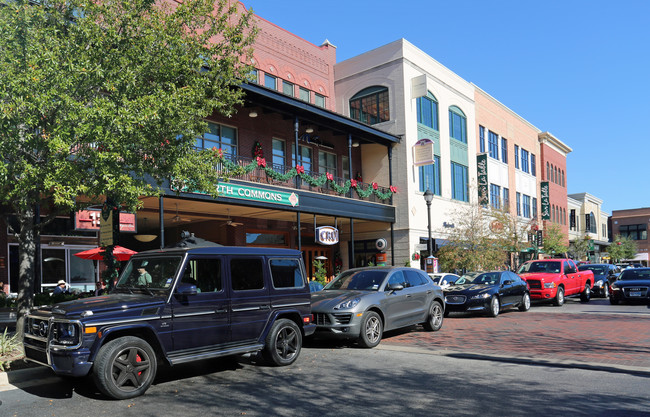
120,253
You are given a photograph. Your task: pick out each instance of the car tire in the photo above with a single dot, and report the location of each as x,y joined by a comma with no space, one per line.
525,302
283,343
435,317
495,306
605,291
559,297
585,295
125,367
371,330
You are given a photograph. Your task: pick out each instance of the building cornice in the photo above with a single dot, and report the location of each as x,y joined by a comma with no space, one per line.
547,138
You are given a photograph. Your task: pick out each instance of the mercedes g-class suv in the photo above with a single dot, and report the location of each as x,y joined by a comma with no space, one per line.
175,306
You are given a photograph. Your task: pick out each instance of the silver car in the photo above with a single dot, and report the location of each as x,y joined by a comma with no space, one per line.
362,303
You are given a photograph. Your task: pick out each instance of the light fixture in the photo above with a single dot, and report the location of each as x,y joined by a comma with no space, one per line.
309,130
355,143
144,237
321,258
252,113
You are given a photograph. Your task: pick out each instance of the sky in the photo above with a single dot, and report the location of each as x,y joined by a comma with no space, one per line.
579,69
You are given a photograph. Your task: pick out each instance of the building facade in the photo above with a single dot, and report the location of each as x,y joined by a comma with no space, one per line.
553,191
401,90
588,222
633,224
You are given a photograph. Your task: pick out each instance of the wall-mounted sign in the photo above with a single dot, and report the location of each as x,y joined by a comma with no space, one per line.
89,220
482,178
420,86
423,152
545,200
255,194
327,235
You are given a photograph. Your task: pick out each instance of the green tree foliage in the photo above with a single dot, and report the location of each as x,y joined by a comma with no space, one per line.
580,248
622,248
105,98
554,240
472,244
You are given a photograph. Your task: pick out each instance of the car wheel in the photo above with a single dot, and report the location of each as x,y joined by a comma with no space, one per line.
525,302
283,343
371,330
125,367
605,291
559,297
495,306
434,320
585,295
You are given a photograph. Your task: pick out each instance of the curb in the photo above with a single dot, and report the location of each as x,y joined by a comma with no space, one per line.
642,371
24,378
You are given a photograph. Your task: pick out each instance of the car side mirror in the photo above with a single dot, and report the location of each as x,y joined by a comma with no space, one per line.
186,289
507,282
395,287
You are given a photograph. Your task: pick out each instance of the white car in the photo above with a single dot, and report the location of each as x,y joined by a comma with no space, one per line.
444,280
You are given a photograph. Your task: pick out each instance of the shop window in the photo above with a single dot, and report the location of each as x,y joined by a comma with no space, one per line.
319,100
220,137
430,176
288,88
304,94
270,81
457,124
427,111
327,163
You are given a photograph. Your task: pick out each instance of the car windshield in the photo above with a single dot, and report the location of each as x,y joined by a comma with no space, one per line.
368,280
468,278
635,274
538,266
596,269
149,272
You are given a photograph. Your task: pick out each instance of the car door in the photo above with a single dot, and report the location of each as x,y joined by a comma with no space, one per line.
250,298
201,318
395,304
518,287
418,295
573,278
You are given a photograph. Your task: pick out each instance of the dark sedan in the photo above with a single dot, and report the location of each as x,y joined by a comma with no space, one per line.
604,276
488,292
632,285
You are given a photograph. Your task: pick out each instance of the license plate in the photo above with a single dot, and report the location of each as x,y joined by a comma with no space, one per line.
635,294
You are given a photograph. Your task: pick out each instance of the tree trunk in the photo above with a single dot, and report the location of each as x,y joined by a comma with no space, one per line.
26,267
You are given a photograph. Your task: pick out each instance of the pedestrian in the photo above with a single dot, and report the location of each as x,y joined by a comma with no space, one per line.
144,278
60,288
2,289
100,287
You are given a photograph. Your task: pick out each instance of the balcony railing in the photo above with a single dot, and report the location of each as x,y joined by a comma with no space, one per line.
259,175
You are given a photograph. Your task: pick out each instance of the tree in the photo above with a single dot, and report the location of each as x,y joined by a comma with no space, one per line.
622,248
106,98
472,244
554,240
512,233
580,248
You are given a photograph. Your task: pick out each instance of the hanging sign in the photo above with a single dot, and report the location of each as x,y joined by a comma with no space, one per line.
545,203
423,152
482,177
327,235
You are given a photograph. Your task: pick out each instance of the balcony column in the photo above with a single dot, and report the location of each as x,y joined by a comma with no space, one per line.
350,161
392,225
296,126
162,221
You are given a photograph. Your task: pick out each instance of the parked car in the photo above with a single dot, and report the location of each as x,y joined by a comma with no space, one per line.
604,276
488,292
554,279
632,285
444,279
362,303
195,304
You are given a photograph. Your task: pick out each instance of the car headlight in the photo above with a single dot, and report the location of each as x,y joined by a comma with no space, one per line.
549,285
64,333
348,304
478,296
615,287
599,283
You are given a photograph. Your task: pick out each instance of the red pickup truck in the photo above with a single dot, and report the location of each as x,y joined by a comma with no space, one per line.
554,279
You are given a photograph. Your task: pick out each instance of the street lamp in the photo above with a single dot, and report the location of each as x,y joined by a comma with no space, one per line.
428,197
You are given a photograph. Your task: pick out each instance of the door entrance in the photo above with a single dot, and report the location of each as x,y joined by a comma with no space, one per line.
310,253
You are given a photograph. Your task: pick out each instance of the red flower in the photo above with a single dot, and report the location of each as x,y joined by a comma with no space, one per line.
353,183
329,176
393,189
261,162
374,186
300,169
218,153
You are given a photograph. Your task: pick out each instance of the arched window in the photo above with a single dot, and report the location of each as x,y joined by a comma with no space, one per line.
427,109
370,105
548,171
592,223
457,124
563,178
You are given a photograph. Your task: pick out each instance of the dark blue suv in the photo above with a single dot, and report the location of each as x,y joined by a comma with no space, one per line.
177,305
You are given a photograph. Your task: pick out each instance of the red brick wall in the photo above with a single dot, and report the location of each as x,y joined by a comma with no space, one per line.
557,192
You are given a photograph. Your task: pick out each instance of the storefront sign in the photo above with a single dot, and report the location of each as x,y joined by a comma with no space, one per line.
256,194
89,220
327,235
545,202
482,172
423,152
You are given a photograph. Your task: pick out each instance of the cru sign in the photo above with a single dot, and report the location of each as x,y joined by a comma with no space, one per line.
327,235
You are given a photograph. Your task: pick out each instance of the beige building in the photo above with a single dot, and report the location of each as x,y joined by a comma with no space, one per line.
588,221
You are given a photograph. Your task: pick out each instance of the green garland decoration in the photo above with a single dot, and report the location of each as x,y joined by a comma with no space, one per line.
318,181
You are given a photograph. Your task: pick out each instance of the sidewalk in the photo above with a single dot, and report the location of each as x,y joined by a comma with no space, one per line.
603,341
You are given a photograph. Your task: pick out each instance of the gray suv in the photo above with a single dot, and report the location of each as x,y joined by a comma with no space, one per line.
175,306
